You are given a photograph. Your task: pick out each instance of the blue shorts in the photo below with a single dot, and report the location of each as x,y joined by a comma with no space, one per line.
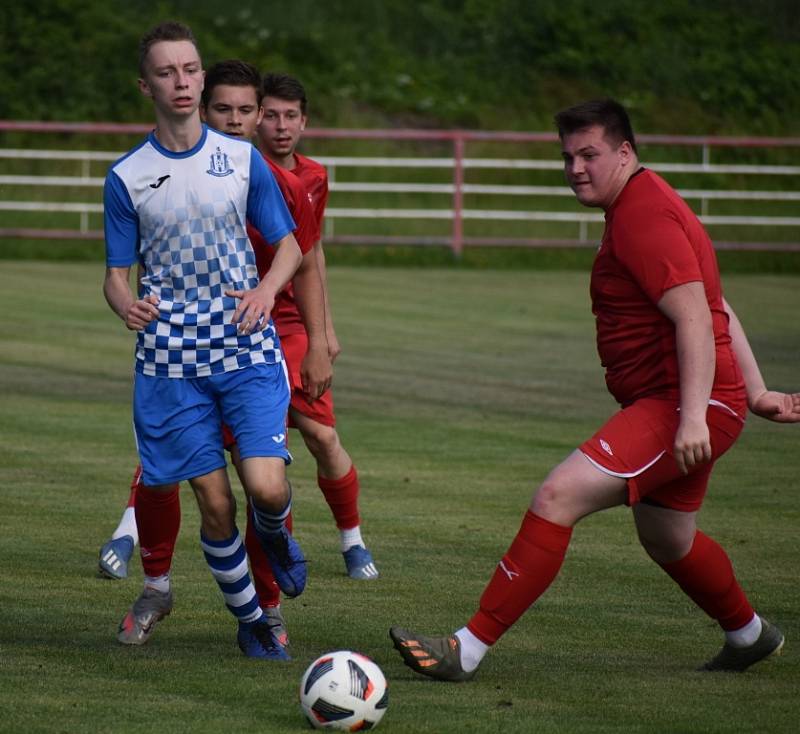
178,421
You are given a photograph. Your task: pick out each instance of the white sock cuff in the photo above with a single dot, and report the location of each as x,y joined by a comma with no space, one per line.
745,636
350,537
159,583
472,649
127,526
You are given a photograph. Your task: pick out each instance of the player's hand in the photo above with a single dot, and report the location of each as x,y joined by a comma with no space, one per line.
333,344
775,406
253,310
316,372
692,444
141,313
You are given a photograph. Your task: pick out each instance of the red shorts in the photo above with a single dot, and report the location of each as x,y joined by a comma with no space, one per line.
294,348
637,443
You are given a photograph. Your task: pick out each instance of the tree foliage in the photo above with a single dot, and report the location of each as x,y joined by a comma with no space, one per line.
711,66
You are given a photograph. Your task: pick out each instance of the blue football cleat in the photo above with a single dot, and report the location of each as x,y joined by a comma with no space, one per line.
286,560
259,641
114,557
359,563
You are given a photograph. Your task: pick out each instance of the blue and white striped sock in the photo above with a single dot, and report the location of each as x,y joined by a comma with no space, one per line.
227,560
268,523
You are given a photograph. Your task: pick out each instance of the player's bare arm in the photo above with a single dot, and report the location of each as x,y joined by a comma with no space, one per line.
334,349
315,371
255,305
136,313
686,306
770,404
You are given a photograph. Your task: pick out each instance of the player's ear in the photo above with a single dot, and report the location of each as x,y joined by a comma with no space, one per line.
144,87
303,120
625,151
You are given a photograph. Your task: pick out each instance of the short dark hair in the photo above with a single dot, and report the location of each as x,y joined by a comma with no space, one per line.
233,72
286,87
170,30
607,113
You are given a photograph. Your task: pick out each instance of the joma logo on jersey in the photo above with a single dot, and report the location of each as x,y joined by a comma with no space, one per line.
158,183
219,164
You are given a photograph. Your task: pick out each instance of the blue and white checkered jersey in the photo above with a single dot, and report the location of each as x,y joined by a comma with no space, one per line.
182,216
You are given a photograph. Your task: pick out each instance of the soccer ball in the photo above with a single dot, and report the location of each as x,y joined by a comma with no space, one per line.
344,690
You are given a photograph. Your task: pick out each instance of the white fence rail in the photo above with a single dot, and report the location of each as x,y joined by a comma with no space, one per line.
456,202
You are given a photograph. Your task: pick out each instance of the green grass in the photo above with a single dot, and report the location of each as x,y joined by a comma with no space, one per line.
480,258
457,390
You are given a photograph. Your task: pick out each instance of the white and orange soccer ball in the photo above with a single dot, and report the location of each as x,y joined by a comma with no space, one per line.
344,690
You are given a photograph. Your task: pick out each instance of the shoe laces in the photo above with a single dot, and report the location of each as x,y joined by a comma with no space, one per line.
281,550
264,632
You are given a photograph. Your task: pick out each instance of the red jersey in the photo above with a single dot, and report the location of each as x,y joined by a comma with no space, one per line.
653,242
299,206
314,181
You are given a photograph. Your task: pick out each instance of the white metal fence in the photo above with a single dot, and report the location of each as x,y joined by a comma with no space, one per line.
463,205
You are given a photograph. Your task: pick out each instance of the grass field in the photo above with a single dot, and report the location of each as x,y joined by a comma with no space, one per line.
457,390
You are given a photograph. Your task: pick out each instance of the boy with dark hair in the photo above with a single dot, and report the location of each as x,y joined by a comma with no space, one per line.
285,104
606,113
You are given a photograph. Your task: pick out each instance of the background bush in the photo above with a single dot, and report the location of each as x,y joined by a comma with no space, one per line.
684,66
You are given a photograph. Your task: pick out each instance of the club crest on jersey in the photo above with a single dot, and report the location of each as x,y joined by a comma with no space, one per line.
219,164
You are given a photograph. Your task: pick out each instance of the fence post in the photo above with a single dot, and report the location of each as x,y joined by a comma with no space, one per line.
458,194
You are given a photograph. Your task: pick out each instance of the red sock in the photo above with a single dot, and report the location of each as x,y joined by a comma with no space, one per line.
135,483
522,576
706,575
267,589
342,497
158,517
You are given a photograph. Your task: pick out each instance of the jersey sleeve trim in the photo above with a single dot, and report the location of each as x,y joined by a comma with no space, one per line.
120,222
266,207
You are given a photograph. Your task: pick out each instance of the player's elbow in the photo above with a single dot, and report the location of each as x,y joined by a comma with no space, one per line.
292,251
308,262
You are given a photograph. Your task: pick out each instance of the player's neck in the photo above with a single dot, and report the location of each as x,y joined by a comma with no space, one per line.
284,161
178,134
630,171
291,161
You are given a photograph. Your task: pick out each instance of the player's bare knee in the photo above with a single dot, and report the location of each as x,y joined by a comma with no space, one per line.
322,441
651,547
550,501
664,547
270,493
666,535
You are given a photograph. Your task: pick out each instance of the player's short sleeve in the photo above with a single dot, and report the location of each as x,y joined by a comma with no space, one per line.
306,232
654,247
320,202
266,207
120,224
